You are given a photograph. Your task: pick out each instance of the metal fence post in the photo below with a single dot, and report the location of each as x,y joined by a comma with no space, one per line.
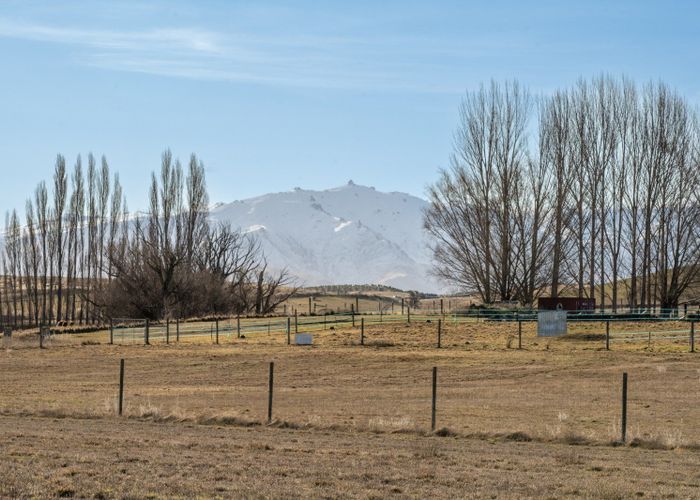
692,336
238,326
362,331
409,314
432,413
289,330
167,330
439,337
177,330
217,331
607,335
269,391
121,385
146,332
296,322
623,426
111,331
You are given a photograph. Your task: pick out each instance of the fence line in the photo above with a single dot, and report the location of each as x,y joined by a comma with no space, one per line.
623,415
134,330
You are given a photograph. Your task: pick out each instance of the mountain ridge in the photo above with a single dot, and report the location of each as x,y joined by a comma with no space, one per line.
346,234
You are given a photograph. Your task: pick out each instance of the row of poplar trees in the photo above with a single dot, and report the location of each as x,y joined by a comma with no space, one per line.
77,256
62,235
592,192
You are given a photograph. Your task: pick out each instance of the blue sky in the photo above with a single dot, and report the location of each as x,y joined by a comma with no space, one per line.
273,95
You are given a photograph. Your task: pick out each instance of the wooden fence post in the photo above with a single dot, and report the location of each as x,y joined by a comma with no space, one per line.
270,382
111,331
309,305
520,334
362,331
357,305
607,335
296,322
167,331
439,337
623,426
442,307
177,330
238,326
121,385
146,333
409,314
401,306
289,330
41,337
217,331
432,413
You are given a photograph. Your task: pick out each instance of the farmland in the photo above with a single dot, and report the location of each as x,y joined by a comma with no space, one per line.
351,420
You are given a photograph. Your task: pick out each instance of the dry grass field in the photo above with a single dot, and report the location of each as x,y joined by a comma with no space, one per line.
351,420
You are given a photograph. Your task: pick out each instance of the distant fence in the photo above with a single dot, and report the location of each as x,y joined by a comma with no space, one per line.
610,328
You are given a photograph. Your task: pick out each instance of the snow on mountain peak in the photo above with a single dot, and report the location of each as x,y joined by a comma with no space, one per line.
345,235
342,225
254,228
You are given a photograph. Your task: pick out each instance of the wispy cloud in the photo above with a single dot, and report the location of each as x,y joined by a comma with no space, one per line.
291,60
193,40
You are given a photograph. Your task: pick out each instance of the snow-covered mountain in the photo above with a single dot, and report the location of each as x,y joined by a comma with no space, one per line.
348,235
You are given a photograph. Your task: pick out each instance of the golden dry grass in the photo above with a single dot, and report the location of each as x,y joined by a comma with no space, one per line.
354,420
118,458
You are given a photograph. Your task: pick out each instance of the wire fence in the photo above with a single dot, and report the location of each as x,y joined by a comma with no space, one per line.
575,397
551,400
609,330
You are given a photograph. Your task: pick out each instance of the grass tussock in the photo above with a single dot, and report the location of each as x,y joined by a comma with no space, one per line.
668,440
445,432
284,424
380,343
395,425
574,439
399,425
518,436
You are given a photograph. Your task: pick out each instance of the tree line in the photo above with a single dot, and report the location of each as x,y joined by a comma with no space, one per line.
592,191
79,256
